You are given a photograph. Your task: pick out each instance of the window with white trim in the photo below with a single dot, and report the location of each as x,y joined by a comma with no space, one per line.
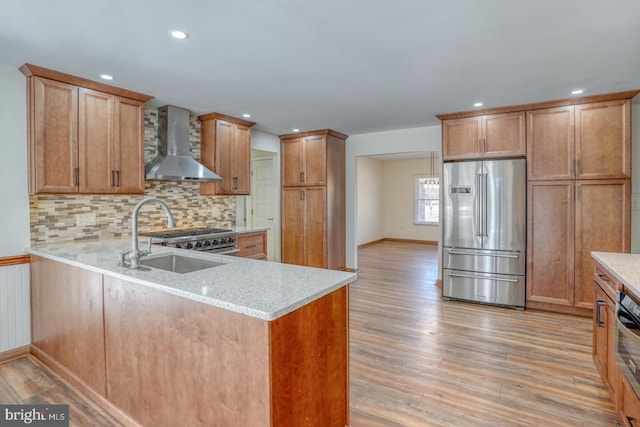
427,200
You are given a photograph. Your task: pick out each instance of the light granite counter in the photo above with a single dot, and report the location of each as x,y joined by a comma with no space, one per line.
241,229
624,267
261,289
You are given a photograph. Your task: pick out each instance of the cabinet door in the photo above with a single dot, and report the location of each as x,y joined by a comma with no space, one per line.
224,140
292,228
242,160
603,140
601,332
504,135
550,245
314,170
315,226
292,162
602,224
96,120
129,146
550,143
53,148
461,138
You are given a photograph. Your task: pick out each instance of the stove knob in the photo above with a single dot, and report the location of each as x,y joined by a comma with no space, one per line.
178,246
223,241
189,246
198,245
215,242
231,240
207,243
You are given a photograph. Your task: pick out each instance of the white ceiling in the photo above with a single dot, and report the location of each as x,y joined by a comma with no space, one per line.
356,66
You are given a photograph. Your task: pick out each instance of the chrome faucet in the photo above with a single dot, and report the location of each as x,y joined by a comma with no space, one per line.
135,253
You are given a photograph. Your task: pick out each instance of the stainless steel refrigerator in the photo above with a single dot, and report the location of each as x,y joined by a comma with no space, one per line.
484,256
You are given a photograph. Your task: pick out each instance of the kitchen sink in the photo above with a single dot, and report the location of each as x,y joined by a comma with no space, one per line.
179,264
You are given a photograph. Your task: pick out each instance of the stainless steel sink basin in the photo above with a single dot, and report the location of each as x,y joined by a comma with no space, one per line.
178,263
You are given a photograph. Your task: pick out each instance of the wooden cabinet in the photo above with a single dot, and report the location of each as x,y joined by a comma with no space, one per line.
304,236
66,318
313,199
584,141
304,161
84,137
253,245
604,326
567,220
226,150
628,404
491,135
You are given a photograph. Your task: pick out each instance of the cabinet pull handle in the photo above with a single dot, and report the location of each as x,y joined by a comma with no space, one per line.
118,176
603,278
599,322
235,182
301,194
113,178
76,177
250,246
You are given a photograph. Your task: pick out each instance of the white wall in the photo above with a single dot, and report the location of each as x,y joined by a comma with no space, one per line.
635,176
370,204
399,201
14,214
398,141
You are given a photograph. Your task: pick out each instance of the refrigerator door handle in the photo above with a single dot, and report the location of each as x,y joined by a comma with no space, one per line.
483,254
478,205
472,276
484,207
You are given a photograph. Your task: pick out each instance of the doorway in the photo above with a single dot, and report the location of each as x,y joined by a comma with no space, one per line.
263,206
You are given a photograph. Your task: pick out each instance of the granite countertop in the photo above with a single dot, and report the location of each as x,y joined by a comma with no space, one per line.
624,267
247,229
261,289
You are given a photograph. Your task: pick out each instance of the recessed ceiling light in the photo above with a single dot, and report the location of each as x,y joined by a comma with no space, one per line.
246,116
296,130
177,34
106,76
577,91
478,104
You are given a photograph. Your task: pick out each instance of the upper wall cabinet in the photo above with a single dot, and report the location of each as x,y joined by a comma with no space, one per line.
84,136
584,141
226,149
492,135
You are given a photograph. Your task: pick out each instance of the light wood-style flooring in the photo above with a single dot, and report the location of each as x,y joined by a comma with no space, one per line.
417,360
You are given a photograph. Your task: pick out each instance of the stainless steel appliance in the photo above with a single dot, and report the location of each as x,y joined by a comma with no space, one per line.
215,240
484,242
628,339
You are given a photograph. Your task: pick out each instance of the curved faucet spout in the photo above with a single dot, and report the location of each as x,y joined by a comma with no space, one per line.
136,253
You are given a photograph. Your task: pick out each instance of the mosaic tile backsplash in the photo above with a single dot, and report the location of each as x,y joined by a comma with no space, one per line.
61,218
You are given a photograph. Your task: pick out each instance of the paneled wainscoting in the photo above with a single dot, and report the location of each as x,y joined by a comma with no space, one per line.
15,318
419,361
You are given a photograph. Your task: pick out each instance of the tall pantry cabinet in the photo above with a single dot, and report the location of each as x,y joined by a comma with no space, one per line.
313,199
579,170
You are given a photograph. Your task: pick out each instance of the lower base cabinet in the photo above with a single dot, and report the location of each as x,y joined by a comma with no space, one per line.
155,359
253,245
628,404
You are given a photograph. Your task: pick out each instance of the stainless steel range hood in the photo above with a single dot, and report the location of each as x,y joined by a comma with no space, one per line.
174,163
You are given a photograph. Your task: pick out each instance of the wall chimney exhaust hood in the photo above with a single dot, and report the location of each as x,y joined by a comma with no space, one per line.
174,163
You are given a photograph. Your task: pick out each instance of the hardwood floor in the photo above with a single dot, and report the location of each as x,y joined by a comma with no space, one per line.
419,361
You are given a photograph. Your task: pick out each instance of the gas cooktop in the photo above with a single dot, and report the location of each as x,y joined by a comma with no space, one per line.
177,232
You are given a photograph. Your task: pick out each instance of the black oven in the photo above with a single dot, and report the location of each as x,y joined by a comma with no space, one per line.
628,339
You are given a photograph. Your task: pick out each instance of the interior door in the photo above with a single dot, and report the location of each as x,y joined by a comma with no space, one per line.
462,222
264,200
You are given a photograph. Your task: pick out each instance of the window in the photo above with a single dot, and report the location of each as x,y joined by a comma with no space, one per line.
427,200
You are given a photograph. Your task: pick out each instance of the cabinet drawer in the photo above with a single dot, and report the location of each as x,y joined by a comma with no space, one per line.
607,282
253,245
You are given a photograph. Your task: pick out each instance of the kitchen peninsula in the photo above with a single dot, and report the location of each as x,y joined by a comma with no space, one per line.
246,342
